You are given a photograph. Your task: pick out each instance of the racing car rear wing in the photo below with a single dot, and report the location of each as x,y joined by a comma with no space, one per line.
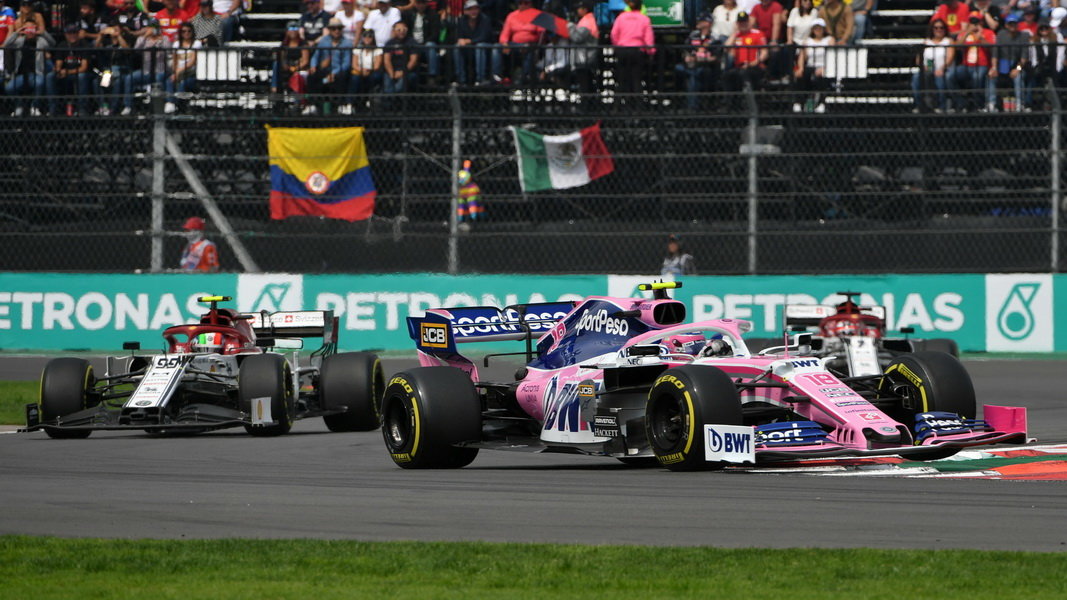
440,329
296,324
810,315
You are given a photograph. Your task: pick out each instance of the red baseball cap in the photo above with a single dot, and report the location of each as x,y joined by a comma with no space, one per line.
194,223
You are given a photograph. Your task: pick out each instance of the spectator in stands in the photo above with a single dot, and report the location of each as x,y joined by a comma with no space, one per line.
631,34
28,14
207,26
7,27
200,255
70,76
1058,19
352,20
112,61
749,57
934,63
1029,21
798,25
955,15
170,19
330,64
518,40
861,19
584,37
555,63
182,75
153,64
975,71
229,12
89,23
314,22
131,21
381,21
474,35
400,61
769,17
291,62
811,67
678,262
424,28
368,64
724,20
1011,57
699,70
26,53
839,20
1047,60
990,13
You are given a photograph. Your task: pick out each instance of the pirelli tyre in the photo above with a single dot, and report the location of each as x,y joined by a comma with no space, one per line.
426,411
266,377
66,388
680,402
353,380
923,382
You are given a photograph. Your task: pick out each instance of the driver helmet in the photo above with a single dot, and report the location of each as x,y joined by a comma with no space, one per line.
717,347
207,342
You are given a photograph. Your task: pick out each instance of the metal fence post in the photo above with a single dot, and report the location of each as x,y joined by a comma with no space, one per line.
1054,246
159,152
453,219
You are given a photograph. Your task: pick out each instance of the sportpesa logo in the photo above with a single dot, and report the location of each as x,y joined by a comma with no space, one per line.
600,322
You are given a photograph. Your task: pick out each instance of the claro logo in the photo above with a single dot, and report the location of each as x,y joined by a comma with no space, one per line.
434,335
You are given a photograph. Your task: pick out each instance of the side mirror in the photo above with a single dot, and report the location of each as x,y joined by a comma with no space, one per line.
802,342
907,330
131,345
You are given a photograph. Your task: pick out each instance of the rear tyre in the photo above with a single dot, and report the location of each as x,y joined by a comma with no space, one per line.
680,403
923,382
425,412
66,384
353,380
267,377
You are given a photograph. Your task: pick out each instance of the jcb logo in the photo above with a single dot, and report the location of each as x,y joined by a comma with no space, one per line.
434,335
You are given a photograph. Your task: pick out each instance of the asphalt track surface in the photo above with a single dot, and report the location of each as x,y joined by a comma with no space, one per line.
316,484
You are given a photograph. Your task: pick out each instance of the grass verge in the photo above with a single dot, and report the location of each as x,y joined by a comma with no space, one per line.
33,567
14,396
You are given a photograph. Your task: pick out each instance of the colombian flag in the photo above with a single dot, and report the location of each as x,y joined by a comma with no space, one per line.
319,173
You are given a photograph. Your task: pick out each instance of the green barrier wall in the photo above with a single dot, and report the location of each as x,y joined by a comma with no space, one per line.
52,311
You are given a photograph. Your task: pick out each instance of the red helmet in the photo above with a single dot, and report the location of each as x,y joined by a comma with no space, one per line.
194,223
851,324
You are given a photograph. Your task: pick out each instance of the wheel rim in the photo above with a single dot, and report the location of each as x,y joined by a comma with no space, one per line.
667,422
397,425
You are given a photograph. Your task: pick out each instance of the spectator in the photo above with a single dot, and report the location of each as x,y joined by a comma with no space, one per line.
954,13
474,35
28,14
749,57
113,61
1047,60
207,26
861,19
724,20
28,65
975,70
631,34
7,27
291,62
352,20
229,12
839,20
1058,19
1029,21
153,64
990,13
381,21
330,64
798,25
200,254
424,28
584,37
677,262
131,22
182,76
400,61
89,24
521,36
1011,57
934,63
811,67
314,22
769,17
170,19
556,63
368,66
699,70
70,76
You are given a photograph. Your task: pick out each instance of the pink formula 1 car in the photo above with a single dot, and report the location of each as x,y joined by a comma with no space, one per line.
624,377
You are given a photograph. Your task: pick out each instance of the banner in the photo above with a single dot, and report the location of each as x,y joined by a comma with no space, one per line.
319,172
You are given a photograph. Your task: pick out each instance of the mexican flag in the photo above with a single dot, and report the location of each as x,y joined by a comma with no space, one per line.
549,162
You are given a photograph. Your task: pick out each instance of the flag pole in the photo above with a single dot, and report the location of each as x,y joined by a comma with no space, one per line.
453,220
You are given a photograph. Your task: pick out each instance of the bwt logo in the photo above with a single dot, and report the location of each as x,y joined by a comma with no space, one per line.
434,335
729,442
800,364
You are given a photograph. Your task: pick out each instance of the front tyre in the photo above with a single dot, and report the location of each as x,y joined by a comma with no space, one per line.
680,403
925,382
66,386
353,380
267,378
426,411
